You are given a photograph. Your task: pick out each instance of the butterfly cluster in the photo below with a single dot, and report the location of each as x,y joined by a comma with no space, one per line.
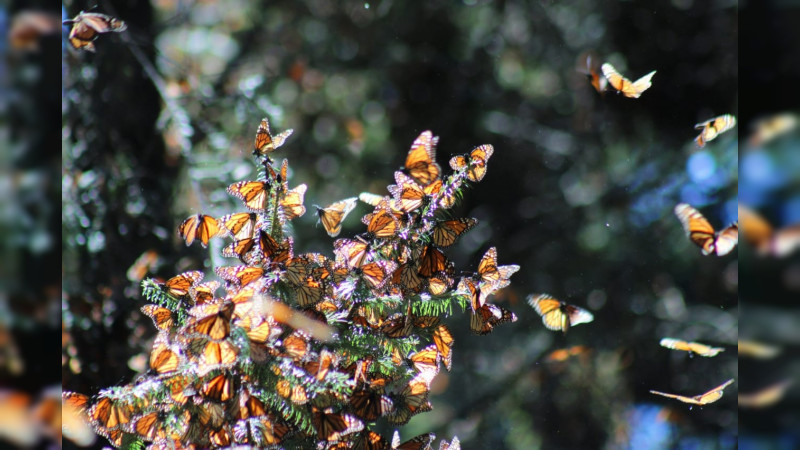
308,350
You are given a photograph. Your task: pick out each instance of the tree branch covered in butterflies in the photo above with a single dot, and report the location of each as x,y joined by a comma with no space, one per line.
308,350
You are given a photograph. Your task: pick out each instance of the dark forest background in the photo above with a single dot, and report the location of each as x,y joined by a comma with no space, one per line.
579,192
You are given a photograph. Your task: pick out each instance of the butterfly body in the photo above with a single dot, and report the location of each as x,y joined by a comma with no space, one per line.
86,27
712,128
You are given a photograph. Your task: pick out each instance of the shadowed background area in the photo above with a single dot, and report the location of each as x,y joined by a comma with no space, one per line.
579,192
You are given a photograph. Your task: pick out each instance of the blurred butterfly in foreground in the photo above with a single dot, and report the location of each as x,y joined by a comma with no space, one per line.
588,65
691,347
199,226
700,231
625,86
764,238
87,26
265,142
713,128
333,215
557,315
702,399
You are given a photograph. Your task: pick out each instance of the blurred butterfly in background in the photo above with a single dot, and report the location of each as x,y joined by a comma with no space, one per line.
691,347
765,397
589,65
265,142
28,27
474,163
702,399
332,216
700,231
199,226
713,128
87,26
421,160
625,86
764,238
754,349
768,128
557,315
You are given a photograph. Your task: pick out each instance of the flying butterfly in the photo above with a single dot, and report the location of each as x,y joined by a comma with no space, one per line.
265,142
691,347
421,159
764,238
625,86
588,64
87,26
484,319
445,232
332,216
490,272
766,396
371,199
712,128
254,194
292,202
702,399
179,285
700,231
557,315
199,226
772,127
474,163
754,349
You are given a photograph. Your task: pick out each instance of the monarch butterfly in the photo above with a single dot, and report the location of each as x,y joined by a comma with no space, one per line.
163,359
151,426
242,249
446,232
691,347
625,86
455,444
382,223
239,225
108,414
376,273
179,285
563,354
700,231
270,249
310,291
764,238
199,226
408,195
587,64
421,442
75,426
87,26
213,354
28,27
765,397
475,163
248,405
444,344
439,283
351,252
179,390
292,202
366,440
772,127
212,320
242,275
254,194
484,319
146,262
426,362
407,278
320,366
204,292
702,399
713,128
412,400
220,437
296,394
296,345
265,142
370,405
421,159
219,388
557,315
757,349
332,216
431,261
162,317
490,272
332,426
371,199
